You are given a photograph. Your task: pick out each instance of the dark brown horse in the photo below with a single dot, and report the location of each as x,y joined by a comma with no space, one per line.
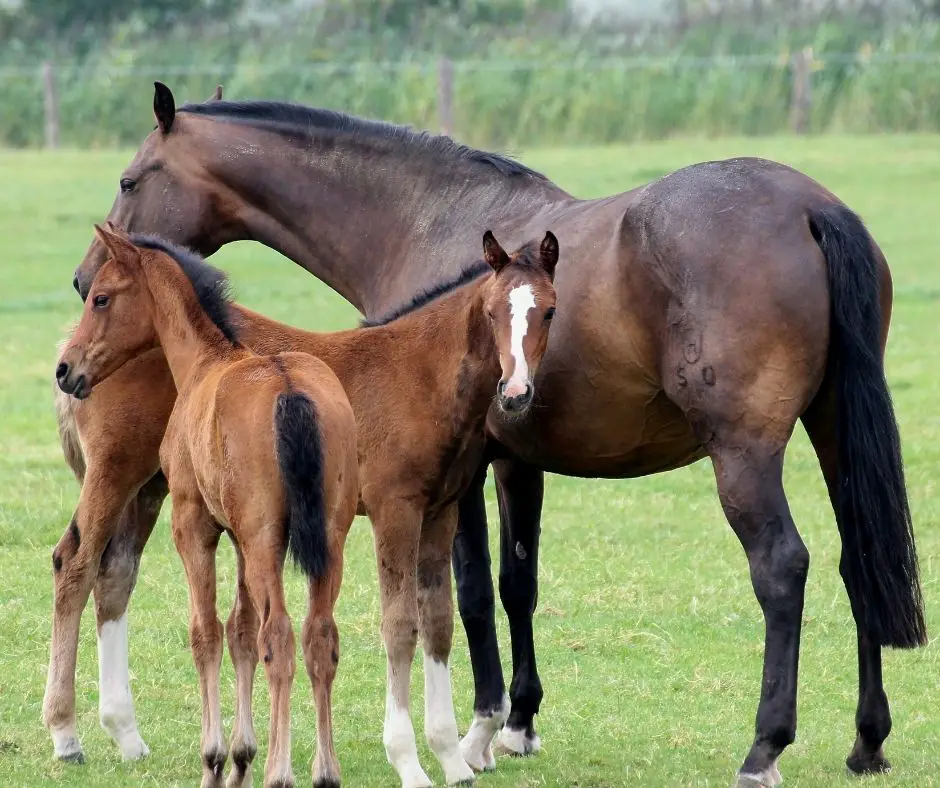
420,420
702,315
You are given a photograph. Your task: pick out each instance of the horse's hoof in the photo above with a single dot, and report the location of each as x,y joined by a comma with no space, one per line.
68,749
867,763
769,778
518,742
134,749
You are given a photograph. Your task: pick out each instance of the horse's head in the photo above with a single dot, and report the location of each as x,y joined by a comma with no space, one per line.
163,192
520,303
116,324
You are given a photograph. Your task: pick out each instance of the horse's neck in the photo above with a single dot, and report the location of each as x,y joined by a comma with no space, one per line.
376,226
190,340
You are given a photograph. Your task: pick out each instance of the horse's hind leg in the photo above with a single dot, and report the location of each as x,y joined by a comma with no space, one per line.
872,717
242,633
117,576
750,487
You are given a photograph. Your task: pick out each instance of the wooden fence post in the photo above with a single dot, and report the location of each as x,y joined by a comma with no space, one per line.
445,95
801,96
51,105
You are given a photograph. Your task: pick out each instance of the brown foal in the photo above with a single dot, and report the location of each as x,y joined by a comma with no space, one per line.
421,382
263,447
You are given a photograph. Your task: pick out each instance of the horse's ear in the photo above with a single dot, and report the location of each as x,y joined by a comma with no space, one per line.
164,107
493,253
548,253
114,229
119,246
216,94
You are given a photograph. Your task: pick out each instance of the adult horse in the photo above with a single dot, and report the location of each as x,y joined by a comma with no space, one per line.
701,315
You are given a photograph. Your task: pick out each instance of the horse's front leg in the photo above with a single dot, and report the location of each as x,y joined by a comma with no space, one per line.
475,599
117,576
75,562
519,488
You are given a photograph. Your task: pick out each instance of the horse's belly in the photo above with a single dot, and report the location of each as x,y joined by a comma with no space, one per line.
611,433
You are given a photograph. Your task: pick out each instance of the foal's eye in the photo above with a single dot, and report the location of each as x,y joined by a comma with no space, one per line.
101,301
128,185
550,313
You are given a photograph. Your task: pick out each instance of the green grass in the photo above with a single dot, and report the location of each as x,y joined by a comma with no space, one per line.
649,638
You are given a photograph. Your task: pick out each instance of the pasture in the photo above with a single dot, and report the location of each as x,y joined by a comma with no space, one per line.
648,634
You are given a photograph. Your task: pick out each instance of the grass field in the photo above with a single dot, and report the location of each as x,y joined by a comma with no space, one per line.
648,635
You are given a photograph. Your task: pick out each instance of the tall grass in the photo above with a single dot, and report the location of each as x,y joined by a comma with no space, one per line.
518,92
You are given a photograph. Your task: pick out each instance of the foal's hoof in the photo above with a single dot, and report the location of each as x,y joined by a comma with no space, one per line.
76,757
68,750
133,748
868,762
518,741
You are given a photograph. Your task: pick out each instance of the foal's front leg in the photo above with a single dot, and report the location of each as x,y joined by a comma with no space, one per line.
197,537
397,530
436,610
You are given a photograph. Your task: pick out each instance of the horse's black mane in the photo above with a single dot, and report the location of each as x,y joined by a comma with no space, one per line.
211,284
423,297
296,119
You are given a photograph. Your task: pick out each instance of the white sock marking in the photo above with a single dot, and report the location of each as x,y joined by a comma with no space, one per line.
400,746
115,704
521,300
440,724
477,746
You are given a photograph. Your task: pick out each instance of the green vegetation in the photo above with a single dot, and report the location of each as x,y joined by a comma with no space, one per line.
649,637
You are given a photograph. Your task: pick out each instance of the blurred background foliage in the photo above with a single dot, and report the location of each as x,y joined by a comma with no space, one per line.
524,71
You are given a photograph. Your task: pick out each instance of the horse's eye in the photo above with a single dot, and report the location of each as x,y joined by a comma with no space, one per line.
550,313
101,301
128,185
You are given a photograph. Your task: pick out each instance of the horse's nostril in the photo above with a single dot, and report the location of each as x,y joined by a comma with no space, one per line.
76,285
61,371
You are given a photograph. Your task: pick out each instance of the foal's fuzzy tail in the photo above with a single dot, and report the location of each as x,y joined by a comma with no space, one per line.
300,458
872,510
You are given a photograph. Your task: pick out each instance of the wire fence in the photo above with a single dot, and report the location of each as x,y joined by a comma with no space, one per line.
498,102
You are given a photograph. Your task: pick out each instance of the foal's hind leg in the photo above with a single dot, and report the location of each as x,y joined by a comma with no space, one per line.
320,640
242,633
873,716
197,538
117,576
436,612
264,563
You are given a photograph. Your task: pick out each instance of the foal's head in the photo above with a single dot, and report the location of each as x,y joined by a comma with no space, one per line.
117,321
520,303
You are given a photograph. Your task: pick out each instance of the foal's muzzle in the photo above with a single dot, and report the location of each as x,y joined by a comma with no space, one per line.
514,401
76,385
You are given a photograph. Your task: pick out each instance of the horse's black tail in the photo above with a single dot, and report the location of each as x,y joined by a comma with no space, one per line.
879,558
300,458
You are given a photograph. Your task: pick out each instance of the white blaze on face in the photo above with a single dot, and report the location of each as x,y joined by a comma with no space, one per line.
521,300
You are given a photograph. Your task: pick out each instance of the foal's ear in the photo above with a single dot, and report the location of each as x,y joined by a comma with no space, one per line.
119,246
493,253
164,107
548,253
216,95
114,229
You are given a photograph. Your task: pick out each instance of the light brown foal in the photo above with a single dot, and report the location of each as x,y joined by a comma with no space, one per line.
263,447
421,382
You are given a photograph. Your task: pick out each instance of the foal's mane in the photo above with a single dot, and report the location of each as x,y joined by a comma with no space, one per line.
526,255
211,285
298,119
429,294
